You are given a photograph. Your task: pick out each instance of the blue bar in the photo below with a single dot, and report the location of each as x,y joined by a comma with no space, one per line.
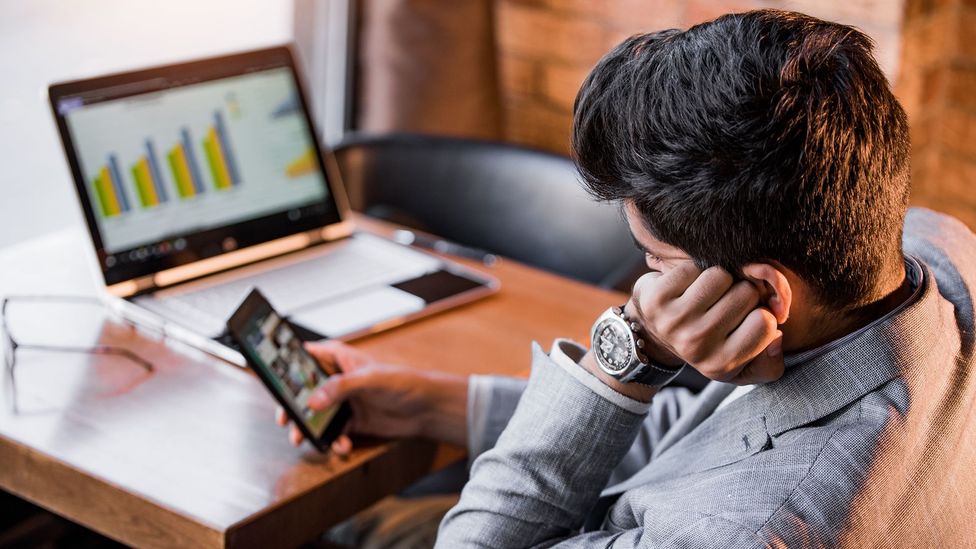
156,174
191,159
229,159
113,165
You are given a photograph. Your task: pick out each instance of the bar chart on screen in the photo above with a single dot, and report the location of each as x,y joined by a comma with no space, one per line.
185,181
195,157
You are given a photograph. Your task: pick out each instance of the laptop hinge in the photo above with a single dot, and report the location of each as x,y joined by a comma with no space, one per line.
230,260
131,287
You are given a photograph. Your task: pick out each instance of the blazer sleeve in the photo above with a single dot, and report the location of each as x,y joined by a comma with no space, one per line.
536,485
492,401
668,405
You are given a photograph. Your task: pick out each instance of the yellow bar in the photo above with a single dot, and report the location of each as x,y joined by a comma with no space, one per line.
102,199
109,188
304,164
217,162
221,158
149,184
183,177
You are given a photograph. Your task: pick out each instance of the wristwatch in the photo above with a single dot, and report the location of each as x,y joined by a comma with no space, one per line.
619,351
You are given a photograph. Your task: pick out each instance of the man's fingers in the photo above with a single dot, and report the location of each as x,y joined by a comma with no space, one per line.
342,446
768,366
756,332
295,436
653,290
707,289
337,389
728,313
328,353
677,280
335,356
281,417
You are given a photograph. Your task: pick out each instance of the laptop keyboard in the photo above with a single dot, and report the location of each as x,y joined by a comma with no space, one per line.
357,263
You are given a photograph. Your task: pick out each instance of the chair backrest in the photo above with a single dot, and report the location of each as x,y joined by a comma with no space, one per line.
519,203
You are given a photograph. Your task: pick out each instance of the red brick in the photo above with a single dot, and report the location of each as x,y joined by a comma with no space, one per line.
966,35
959,172
921,133
561,82
517,76
538,33
908,87
926,165
699,11
932,38
630,15
538,125
957,132
933,87
921,8
850,12
645,16
961,87
916,8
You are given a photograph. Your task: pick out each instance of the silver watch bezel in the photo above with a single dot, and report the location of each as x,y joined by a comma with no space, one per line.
614,316
640,368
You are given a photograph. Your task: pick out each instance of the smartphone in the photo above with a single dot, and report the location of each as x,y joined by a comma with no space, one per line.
273,349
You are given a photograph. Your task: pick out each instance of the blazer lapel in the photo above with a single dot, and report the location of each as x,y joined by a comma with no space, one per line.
733,434
709,399
711,396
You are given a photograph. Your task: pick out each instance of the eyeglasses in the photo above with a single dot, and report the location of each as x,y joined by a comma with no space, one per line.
11,345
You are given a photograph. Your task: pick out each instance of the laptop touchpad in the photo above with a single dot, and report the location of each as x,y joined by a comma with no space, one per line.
357,311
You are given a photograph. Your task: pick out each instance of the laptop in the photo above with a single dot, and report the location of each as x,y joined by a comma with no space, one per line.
202,180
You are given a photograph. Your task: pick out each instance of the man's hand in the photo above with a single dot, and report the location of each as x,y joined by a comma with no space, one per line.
387,400
712,322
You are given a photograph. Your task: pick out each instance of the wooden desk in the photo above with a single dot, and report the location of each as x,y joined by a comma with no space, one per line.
189,455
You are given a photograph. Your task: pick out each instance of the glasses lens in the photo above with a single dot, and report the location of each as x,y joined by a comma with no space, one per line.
58,338
51,323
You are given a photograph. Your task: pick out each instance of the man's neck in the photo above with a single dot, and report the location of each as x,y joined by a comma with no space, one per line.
819,329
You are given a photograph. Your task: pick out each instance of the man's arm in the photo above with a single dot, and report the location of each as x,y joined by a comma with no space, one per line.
567,435
473,410
574,423
492,401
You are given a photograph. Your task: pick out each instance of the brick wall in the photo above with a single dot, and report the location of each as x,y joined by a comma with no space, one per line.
546,47
938,88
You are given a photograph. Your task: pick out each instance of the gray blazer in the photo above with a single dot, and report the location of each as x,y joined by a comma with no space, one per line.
788,464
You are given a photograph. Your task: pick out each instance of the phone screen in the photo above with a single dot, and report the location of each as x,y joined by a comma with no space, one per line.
272,345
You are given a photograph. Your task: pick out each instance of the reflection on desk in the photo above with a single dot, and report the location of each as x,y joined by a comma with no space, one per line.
190,454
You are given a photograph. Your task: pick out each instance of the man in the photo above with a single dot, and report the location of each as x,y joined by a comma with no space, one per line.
763,165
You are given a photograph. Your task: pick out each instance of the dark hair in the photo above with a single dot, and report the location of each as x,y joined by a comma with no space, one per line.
766,135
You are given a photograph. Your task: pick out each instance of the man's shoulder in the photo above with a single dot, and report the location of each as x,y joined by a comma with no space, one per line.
825,463
939,239
947,247
809,473
848,436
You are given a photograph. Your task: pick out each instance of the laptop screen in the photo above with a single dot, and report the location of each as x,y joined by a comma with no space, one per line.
177,165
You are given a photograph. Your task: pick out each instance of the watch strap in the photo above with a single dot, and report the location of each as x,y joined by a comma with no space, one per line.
652,374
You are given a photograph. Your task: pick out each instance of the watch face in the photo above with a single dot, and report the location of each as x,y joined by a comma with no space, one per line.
614,345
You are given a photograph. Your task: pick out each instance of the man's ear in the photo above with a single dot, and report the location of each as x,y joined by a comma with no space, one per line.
774,286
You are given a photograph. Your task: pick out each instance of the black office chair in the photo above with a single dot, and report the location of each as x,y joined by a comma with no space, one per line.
516,202
519,203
